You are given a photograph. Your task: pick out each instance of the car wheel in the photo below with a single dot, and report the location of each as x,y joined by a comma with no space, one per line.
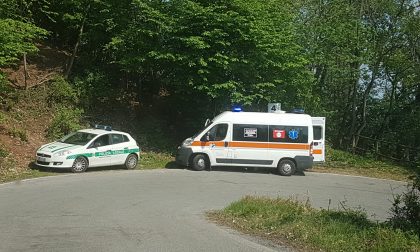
199,162
80,165
286,167
131,162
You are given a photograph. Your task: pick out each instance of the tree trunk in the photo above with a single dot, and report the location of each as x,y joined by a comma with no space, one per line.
366,95
76,46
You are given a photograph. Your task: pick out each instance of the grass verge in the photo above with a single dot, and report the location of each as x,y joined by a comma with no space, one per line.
13,175
342,162
304,228
155,160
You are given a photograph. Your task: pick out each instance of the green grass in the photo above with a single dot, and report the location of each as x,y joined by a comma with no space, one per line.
343,162
8,175
303,227
155,160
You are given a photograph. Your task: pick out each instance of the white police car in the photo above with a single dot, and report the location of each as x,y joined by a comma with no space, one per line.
100,146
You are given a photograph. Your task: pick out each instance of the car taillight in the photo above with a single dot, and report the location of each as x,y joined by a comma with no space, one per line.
311,149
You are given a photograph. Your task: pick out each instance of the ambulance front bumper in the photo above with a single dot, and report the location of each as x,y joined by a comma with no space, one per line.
51,161
183,155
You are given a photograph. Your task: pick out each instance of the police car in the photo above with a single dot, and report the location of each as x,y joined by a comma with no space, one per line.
85,148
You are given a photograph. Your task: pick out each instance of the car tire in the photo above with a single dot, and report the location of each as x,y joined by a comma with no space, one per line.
80,164
131,162
286,167
199,162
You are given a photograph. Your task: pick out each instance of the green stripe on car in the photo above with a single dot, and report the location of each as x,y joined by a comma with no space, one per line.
62,148
104,153
78,155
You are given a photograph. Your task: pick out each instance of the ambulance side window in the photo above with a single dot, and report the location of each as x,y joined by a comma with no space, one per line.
216,133
250,133
288,134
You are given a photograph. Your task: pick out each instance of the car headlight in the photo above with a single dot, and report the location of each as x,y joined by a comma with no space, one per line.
63,153
187,142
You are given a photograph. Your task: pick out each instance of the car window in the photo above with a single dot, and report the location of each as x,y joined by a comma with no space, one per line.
101,141
117,138
125,138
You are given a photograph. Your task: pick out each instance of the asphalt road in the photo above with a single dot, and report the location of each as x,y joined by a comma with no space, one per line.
160,210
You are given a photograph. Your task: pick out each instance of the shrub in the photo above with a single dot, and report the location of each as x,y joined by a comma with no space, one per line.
3,153
2,118
65,121
406,208
93,85
61,92
19,133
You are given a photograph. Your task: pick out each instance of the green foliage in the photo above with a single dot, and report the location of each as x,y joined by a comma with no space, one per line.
19,133
61,92
231,52
303,226
16,38
66,120
94,85
3,153
2,118
406,208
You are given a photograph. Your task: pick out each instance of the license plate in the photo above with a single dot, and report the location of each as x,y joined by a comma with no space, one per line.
42,159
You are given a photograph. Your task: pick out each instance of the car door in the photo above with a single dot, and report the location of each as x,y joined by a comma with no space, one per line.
101,149
119,149
319,139
217,144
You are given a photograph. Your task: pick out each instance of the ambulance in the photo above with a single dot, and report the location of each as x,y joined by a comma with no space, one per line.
289,142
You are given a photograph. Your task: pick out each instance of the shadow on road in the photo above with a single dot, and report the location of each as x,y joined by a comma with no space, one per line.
33,166
261,170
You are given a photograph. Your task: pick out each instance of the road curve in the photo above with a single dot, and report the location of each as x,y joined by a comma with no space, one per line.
161,210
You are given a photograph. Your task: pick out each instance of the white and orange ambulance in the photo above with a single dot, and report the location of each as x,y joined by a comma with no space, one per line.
289,142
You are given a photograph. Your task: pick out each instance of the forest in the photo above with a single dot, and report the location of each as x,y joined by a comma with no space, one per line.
356,62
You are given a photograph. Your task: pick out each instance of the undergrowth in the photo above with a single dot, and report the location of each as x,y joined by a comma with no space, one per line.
338,161
299,225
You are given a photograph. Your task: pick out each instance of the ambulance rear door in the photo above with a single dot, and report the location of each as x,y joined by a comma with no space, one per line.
318,124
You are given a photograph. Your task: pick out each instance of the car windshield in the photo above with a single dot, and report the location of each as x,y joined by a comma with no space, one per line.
78,138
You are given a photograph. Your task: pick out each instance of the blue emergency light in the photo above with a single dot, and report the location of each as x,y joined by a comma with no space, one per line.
236,109
298,111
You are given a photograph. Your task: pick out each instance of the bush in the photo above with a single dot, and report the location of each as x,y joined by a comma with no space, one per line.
2,118
61,92
3,153
19,133
406,208
66,120
93,85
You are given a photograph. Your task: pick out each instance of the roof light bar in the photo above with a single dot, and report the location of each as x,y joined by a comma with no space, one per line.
104,127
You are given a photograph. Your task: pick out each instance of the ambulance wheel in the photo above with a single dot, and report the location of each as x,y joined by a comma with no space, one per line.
80,164
131,162
286,167
199,162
